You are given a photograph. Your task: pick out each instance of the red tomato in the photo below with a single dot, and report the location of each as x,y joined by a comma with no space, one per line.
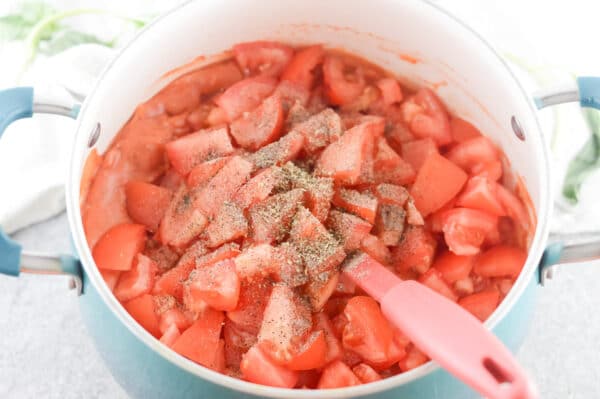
388,167
170,335
193,149
454,267
482,194
415,251
111,277
117,248
465,229
257,188
365,373
514,207
301,69
173,317
334,347
320,130
367,333
360,204
291,94
251,305
319,289
278,153
472,152
337,375
482,304
142,310
428,117
417,151
147,203
491,170
463,130
341,87
257,367
90,168
413,359
171,180
137,281
433,279
500,261
228,225
262,57
200,342
390,90
217,285
375,248
182,221
237,342
390,194
270,220
205,171
312,353
245,95
437,182
349,229
260,126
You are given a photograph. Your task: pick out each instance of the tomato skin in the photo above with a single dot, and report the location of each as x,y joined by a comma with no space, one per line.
437,182
262,57
482,194
311,355
300,69
260,126
481,304
463,130
245,95
500,261
143,311
137,281
454,267
131,239
217,285
337,375
146,203
257,367
473,151
465,229
338,89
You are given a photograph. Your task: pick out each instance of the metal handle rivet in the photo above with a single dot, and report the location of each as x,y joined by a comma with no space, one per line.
517,129
94,135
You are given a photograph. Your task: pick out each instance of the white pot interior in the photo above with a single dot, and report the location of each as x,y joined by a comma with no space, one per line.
467,74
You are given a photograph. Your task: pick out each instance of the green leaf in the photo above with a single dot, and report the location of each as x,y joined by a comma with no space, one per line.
587,159
65,39
17,26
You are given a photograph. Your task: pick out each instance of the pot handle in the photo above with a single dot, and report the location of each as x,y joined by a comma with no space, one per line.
576,247
18,103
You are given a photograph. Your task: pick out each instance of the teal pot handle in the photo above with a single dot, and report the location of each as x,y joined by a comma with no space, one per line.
565,249
18,103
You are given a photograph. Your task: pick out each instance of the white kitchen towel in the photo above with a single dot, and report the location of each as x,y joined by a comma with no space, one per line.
34,153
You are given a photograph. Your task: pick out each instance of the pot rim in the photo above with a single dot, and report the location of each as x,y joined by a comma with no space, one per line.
74,216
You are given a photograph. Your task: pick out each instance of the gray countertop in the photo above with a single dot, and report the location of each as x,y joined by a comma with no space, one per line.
45,351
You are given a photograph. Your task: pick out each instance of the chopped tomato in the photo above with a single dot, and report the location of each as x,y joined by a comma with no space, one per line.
415,251
454,267
286,323
301,68
320,288
319,190
258,367
514,207
260,126
334,347
473,151
111,277
147,203
365,373
429,117
270,220
170,335
391,194
262,57
216,285
482,304
279,152
137,281
173,317
142,310
257,188
131,239
349,229
491,170
342,86
291,94
237,342
171,180
465,229
463,130
414,358
195,148
367,333
212,77
482,194
229,224
320,130
500,261
464,286
257,261
245,95
337,375
390,90
417,151
252,302
389,224
360,204
288,266
375,248
182,221
200,342
437,182
311,355
90,168
344,159
205,171
433,279
388,167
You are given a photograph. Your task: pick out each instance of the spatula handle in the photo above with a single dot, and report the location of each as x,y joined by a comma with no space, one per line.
456,340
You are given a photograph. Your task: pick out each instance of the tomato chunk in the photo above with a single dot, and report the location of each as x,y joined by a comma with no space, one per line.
301,68
415,251
390,90
391,194
142,310
319,190
430,118
465,229
237,342
500,261
337,375
260,126
311,355
491,170
229,224
252,302
173,317
117,248
262,57
170,335
360,204
414,358
320,130
111,277
417,151
195,148
257,188
389,224
365,373
437,182
454,267
200,342
257,367
279,152
482,304
217,285
349,229
182,221
321,287
473,151
433,279
388,167
341,86
245,95
463,130
375,248
137,281
147,203
202,173
482,194
270,220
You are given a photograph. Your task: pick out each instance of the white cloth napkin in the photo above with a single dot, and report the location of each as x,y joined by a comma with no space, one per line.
34,153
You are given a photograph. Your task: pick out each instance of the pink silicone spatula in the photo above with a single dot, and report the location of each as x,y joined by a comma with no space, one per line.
444,331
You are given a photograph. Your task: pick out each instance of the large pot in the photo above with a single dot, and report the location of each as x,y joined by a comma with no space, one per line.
415,39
